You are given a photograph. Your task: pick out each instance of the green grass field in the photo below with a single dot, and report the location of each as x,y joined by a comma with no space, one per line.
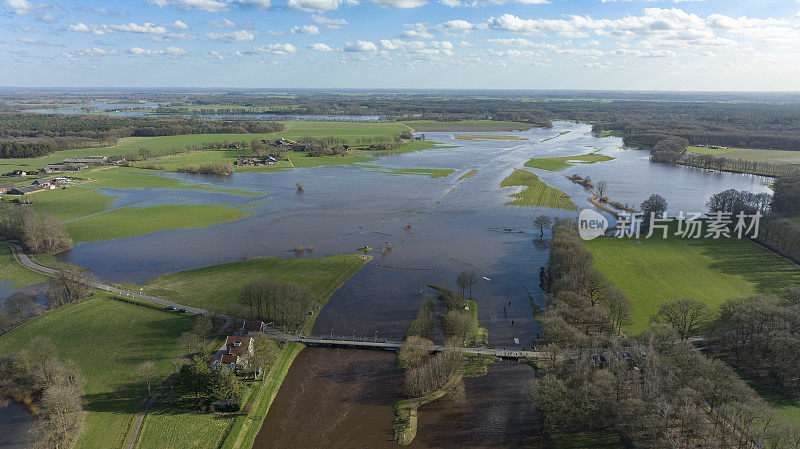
535,192
561,163
750,154
657,271
610,133
217,286
108,339
796,219
132,221
68,204
15,273
487,137
468,174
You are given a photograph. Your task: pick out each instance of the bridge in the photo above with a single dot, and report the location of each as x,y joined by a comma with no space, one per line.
331,341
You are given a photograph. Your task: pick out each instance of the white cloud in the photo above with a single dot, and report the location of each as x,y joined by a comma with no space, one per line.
32,41
222,23
260,5
400,3
216,54
21,6
451,3
188,5
360,46
180,24
330,23
145,28
169,37
318,46
645,54
276,49
88,52
313,5
417,31
169,51
305,29
233,36
418,47
457,26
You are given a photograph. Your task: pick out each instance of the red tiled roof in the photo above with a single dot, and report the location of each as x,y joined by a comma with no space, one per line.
252,325
226,358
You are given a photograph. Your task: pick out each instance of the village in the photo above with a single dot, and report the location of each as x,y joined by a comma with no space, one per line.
69,164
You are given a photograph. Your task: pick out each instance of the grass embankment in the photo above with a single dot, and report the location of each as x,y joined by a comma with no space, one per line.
468,174
13,272
655,271
556,136
108,339
406,412
218,286
429,172
133,221
466,125
488,137
561,163
611,133
535,192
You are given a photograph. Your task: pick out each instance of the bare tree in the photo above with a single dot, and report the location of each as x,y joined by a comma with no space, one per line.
684,315
543,222
618,306
147,373
465,280
70,284
601,188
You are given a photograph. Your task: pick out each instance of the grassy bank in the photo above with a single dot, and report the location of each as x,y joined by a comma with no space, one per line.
655,271
406,412
535,192
468,174
561,163
13,272
133,221
108,339
556,136
218,286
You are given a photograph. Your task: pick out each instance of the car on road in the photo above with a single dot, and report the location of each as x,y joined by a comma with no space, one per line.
182,310
170,308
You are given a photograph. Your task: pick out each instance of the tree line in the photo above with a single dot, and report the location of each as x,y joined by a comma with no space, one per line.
38,233
285,303
762,168
653,390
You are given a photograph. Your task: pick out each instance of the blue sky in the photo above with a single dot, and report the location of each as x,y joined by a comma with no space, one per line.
527,44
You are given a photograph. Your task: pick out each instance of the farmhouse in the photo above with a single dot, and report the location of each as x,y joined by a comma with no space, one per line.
25,190
237,351
16,174
253,326
65,166
41,183
96,160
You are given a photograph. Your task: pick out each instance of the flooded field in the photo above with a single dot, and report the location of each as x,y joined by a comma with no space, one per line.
14,422
436,227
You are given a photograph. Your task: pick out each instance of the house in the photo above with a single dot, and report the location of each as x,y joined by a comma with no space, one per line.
61,179
41,183
253,326
237,351
66,166
26,190
116,160
45,171
16,174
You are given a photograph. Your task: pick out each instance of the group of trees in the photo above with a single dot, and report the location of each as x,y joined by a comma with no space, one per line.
786,197
668,150
208,382
762,337
422,324
34,376
458,324
38,233
216,168
653,390
282,302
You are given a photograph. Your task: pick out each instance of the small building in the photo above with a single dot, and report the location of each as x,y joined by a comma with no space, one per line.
25,190
253,326
116,160
45,171
61,179
237,351
16,174
96,160
41,183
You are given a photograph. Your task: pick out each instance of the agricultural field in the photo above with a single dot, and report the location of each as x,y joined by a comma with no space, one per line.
121,336
487,137
133,221
535,192
748,154
655,271
215,287
69,204
561,163
15,273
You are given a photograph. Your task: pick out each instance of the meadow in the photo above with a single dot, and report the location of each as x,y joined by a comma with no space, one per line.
108,339
655,271
561,163
218,286
132,221
749,154
535,192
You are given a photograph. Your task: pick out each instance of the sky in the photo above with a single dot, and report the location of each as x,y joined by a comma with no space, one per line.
750,45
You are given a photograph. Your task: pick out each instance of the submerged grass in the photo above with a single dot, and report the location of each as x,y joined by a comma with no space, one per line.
467,174
487,137
535,192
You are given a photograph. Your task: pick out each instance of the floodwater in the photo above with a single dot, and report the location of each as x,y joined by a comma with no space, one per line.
14,422
353,393
437,227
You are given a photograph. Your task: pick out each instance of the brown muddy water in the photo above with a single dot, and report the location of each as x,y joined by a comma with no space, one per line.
343,399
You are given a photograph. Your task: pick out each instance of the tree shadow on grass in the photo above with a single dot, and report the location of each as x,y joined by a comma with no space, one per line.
768,271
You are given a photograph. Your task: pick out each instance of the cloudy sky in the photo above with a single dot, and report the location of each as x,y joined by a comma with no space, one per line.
530,44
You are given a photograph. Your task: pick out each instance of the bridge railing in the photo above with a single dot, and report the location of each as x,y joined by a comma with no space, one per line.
348,338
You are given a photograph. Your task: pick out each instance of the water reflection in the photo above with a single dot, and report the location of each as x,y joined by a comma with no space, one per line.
14,424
